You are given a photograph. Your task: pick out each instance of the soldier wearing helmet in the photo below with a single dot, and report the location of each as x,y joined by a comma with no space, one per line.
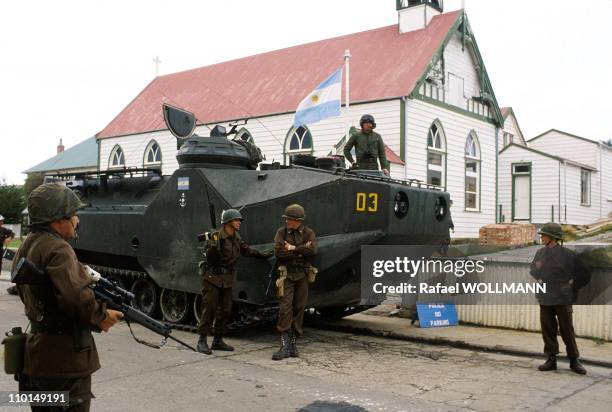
60,352
6,235
223,249
557,267
369,147
294,247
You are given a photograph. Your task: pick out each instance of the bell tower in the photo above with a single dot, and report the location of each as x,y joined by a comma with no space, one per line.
416,14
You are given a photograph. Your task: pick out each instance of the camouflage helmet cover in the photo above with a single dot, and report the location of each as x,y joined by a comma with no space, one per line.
52,201
294,212
553,230
229,215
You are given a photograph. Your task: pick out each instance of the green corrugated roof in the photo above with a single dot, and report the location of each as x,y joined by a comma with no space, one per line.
81,155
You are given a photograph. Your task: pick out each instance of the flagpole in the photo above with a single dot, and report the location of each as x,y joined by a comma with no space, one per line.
347,88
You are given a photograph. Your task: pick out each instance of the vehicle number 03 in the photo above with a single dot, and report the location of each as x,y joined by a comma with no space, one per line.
366,202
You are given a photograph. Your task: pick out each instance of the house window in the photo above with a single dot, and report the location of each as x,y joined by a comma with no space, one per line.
521,169
436,155
245,135
585,187
472,173
508,139
299,141
153,155
117,159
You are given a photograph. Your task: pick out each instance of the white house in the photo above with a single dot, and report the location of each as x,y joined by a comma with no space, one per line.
558,177
422,79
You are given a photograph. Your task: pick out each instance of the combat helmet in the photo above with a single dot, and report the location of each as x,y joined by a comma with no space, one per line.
229,215
294,212
52,201
367,118
553,230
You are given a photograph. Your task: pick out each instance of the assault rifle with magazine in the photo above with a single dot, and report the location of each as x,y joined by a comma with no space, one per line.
26,273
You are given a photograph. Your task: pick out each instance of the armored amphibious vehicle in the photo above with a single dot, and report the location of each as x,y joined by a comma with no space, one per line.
141,227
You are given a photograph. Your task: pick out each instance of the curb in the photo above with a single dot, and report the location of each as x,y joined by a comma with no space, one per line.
459,344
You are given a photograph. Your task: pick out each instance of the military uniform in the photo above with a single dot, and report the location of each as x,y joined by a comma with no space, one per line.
297,262
369,149
557,267
294,247
60,352
557,271
221,259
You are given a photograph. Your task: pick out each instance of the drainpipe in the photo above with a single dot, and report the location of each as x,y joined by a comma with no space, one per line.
565,189
599,146
497,220
559,194
405,137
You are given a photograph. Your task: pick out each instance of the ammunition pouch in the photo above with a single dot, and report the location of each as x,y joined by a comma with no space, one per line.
280,282
312,274
14,350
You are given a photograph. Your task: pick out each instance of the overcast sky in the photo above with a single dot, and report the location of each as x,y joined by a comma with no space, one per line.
67,67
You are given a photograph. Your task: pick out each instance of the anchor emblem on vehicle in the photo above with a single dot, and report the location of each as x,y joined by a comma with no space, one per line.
183,200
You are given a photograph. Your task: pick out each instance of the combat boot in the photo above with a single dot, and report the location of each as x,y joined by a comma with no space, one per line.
549,365
203,346
293,350
218,344
577,367
283,352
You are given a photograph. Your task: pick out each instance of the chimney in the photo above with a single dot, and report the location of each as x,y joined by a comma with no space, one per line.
416,14
60,147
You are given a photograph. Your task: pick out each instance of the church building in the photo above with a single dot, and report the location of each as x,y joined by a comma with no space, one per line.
423,79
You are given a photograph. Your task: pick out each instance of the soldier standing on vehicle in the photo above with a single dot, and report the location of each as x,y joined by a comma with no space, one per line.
557,267
294,247
223,250
60,352
369,147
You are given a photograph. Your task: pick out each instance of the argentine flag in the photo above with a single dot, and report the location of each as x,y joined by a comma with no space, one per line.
322,102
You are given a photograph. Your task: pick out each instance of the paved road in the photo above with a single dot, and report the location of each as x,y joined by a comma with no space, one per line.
337,372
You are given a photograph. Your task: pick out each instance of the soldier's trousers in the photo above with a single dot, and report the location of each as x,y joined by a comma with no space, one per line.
216,309
292,305
79,392
558,317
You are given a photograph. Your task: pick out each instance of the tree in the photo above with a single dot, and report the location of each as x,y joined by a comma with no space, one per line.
32,182
12,202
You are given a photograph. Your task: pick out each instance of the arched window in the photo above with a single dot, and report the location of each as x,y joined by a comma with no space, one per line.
472,172
436,155
298,141
245,135
117,159
152,154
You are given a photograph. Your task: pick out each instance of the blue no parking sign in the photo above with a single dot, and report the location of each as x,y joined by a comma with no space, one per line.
435,315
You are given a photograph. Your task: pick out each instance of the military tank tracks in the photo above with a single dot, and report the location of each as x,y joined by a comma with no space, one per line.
182,310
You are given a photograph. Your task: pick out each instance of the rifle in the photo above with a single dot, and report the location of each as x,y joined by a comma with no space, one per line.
115,297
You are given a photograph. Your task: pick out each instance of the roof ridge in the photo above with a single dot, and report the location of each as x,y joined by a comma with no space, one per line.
302,45
276,51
